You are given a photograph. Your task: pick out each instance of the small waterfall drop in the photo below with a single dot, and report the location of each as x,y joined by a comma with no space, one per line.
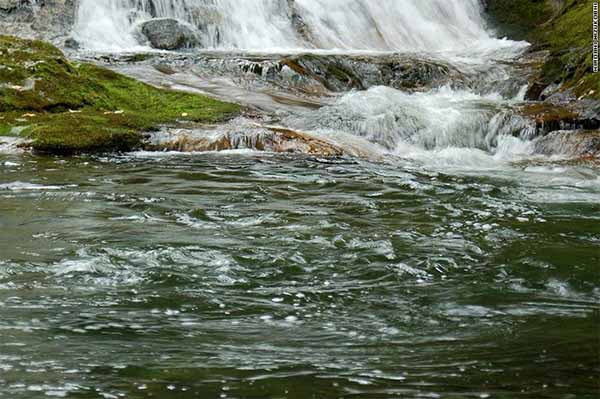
385,25
473,117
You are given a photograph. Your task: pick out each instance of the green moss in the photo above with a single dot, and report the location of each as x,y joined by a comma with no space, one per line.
138,57
564,27
518,19
569,38
69,108
544,112
5,130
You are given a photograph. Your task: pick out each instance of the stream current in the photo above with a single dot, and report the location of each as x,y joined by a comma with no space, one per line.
443,256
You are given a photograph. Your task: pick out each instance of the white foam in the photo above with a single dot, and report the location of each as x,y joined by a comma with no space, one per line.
273,25
24,186
439,127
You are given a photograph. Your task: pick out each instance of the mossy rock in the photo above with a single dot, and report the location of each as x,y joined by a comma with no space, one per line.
568,36
519,19
67,107
564,28
550,117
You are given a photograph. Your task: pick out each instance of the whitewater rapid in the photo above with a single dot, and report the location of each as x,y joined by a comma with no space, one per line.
384,25
467,124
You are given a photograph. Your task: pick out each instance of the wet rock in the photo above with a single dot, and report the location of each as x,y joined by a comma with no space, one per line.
10,145
556,73
518,19
589,111
290,141
322,75
550,117
571,144
72,44
271,139
313,75
16,11
300,26
165,69
169,34
343,73
48,19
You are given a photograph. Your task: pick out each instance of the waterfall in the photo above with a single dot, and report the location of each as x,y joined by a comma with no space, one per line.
407,25
475,118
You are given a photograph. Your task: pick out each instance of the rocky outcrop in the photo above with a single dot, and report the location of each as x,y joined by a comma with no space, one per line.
16,10
563,92
343,73
563,29
169,34
570,144
320,75
519,19
67,107
549,117
44,19
260,138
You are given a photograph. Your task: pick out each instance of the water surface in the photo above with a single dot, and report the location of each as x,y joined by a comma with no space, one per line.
247,275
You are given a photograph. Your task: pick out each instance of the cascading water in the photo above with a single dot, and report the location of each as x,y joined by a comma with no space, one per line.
451,31
412,25
419,248
436,119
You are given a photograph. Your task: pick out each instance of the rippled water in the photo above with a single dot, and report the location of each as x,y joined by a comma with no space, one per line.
245,275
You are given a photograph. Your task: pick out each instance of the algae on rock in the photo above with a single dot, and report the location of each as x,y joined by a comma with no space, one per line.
569,38
564,29
67,107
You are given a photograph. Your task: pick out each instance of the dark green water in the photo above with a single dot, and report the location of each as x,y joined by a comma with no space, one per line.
262,276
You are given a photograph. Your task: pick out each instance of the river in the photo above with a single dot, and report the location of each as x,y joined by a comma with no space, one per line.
446,258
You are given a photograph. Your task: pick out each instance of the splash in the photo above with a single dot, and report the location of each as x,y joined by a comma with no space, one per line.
473,122
385,25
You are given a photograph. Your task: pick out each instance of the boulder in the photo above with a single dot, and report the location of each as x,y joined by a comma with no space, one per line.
72,43
169,34
571,144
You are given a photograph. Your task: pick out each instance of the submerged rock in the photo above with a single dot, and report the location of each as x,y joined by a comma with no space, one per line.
169,34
